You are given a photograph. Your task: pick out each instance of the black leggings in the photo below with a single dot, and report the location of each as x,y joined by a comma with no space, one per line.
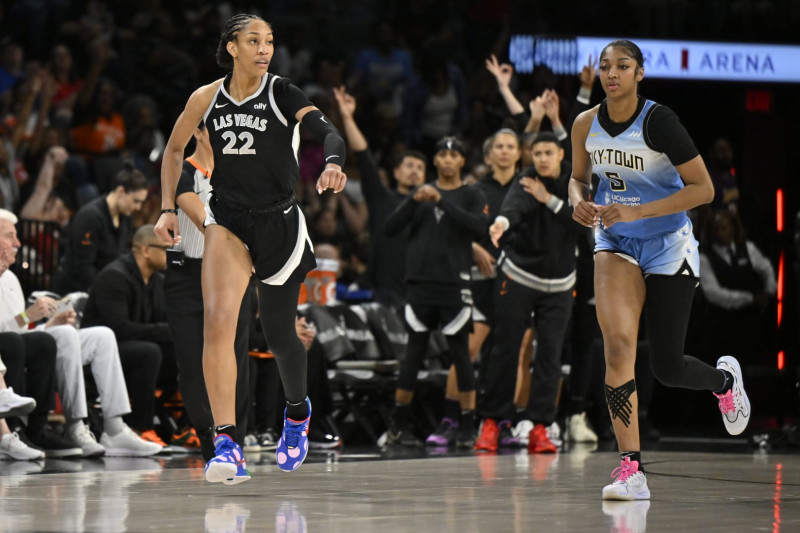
278,308
458,346
667,305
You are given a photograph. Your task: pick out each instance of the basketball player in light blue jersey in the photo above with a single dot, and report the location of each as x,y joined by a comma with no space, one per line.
645,255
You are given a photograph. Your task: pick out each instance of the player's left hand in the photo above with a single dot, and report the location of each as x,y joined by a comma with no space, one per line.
613,213
331,178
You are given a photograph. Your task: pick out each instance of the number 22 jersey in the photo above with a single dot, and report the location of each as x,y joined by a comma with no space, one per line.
256,142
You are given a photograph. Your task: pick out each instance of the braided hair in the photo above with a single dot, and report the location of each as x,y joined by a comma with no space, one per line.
229,33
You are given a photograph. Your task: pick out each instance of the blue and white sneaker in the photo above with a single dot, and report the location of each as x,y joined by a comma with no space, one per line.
228,465
293,444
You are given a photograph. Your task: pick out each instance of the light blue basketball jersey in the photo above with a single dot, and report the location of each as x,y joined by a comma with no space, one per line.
632,173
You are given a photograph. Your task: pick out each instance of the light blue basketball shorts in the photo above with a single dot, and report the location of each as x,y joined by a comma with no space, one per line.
663,254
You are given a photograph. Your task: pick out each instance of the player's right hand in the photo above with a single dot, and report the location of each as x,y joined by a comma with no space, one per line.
586,214
167,228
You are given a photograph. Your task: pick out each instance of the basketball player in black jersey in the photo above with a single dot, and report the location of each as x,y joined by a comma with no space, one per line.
443,220
253,224
182,284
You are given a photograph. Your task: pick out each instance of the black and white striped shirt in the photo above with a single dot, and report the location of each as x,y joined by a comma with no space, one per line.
194,179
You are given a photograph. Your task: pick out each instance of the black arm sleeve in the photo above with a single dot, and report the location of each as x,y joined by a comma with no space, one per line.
475,217
663,132
321,127
401,216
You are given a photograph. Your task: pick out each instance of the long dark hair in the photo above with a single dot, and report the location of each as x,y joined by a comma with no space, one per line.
229,33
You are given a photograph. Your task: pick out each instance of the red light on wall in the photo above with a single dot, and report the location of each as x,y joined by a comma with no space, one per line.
780,313
758,101
780,278
779,210
780,360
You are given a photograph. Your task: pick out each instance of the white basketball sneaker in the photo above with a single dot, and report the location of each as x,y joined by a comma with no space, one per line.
629,483
734,404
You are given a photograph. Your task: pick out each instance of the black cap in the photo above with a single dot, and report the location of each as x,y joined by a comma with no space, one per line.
450,143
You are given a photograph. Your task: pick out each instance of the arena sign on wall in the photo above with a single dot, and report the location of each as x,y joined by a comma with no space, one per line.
690,60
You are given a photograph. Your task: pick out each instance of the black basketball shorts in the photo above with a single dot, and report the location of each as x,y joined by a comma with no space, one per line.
276,237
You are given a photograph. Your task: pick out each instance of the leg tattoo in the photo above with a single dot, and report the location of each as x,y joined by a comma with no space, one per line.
619,402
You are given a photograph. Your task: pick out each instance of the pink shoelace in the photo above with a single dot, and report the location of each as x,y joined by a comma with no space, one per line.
726,404
626,469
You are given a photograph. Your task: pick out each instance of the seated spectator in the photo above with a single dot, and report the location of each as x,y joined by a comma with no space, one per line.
95,347
30,362
739,283
128,296
100,231
12,404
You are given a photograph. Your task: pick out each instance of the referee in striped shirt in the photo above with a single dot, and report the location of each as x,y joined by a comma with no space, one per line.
185,297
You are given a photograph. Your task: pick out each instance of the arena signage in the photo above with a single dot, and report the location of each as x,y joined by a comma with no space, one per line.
691,60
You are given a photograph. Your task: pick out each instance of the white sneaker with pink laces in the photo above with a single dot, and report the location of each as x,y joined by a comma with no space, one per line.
629,483
734,404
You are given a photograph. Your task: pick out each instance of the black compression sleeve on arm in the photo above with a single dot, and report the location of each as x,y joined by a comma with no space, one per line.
323,130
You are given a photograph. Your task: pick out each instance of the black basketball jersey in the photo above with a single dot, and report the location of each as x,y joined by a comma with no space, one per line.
256,142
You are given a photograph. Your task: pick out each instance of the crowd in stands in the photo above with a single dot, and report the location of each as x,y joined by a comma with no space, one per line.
87,93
